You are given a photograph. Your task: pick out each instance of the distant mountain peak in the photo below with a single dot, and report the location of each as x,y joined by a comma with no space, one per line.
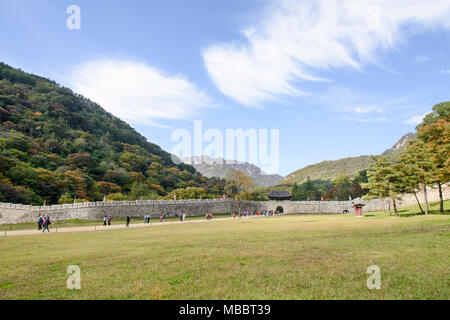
219,167
400,145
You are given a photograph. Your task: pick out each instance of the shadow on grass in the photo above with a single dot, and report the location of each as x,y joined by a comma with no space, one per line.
430,212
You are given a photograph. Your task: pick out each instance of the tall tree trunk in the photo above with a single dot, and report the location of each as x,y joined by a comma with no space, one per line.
441,200
395,207
420,207
425,195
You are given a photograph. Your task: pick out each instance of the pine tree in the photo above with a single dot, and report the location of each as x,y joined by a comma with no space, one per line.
418,159
409,181
383,181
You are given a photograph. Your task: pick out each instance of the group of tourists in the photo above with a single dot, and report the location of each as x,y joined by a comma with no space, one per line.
107,220
44,223
209,216
255,213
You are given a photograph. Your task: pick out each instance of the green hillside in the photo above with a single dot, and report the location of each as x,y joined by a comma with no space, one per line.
54,142
329,170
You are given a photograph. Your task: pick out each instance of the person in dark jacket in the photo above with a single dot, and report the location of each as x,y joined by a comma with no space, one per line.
40,223
128,220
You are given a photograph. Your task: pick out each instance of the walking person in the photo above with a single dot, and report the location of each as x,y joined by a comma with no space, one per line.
128,221
40,223
160,218
109,220
46,224
105,219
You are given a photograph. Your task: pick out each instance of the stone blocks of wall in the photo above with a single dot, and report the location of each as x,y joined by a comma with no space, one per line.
18,213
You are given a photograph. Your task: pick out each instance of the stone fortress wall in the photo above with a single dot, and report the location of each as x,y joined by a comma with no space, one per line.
18,213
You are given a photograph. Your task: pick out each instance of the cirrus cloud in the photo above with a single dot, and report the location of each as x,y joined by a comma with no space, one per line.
138,92
302,40
416,120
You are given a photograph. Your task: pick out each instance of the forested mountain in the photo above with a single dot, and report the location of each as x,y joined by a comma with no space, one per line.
329,170
218,167
56,145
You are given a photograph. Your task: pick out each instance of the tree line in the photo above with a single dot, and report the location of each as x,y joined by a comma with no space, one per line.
425,163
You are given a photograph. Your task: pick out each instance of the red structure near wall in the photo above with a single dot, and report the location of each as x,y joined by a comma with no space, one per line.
358,204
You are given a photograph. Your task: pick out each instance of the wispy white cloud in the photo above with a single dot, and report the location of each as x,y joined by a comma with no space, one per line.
421,59
365,107
368,109
444,71
366,120
137,92
299,40
415,120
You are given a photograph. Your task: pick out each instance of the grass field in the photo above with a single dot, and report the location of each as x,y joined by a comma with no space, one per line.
286,257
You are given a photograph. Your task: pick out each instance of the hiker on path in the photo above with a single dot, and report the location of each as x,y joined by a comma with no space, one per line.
128,221
109,220
161,217
46,224
105,219
40,223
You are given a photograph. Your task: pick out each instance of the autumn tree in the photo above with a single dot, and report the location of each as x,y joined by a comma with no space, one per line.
239,184
434,131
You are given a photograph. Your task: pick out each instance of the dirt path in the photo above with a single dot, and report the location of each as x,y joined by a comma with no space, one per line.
114,227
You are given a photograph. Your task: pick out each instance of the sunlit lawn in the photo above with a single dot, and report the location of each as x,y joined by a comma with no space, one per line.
287,257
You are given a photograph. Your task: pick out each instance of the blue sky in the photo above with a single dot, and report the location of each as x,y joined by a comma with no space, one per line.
337,78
